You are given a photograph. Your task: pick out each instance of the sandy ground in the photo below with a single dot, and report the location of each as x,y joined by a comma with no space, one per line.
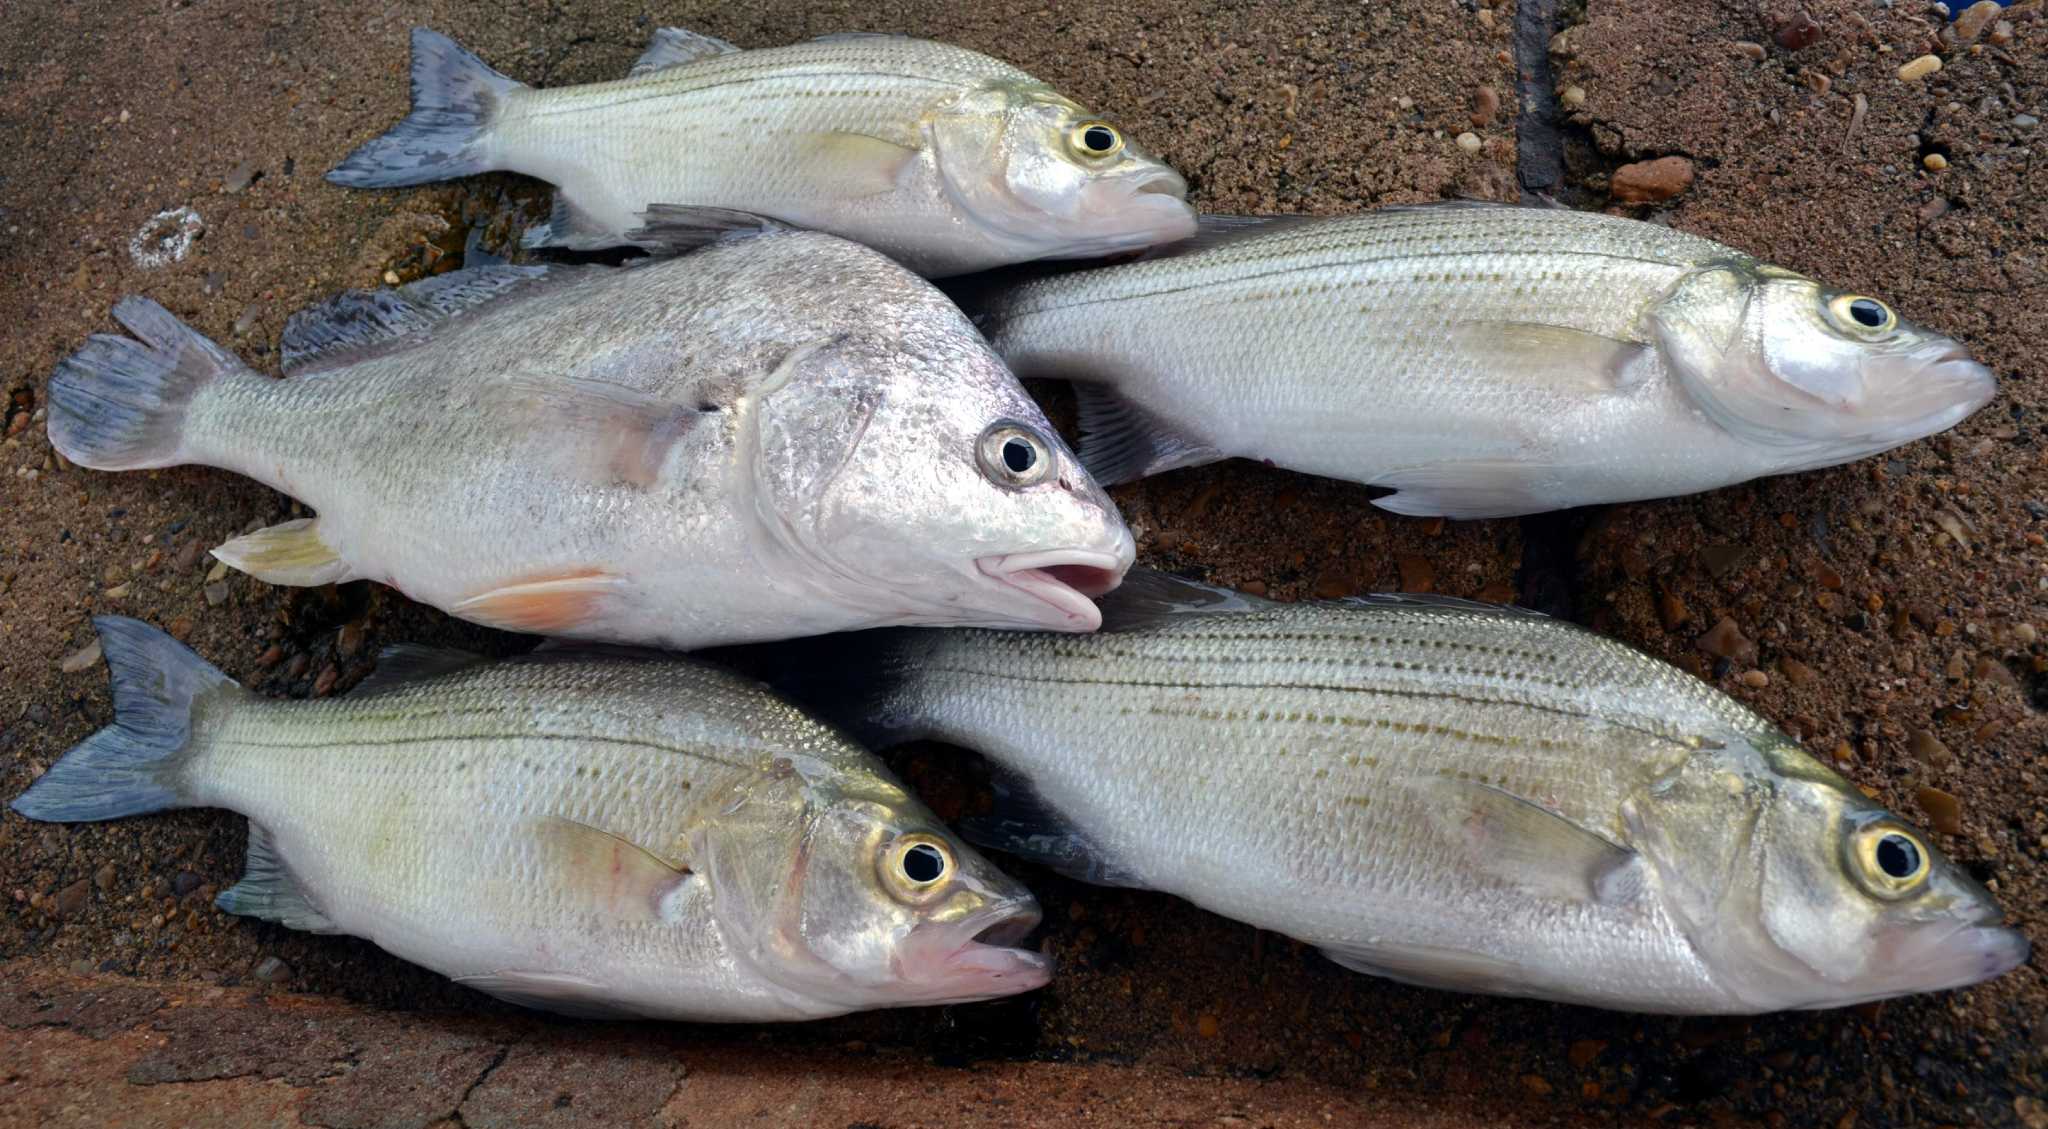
1896,605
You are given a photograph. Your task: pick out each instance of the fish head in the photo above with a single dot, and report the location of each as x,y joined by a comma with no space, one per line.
1827,376
858,897
1796,891
926,487
1043,177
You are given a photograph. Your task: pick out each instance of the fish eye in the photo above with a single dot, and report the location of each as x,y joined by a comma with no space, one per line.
1014,455
916,867
1890,862
1095,140
1866,317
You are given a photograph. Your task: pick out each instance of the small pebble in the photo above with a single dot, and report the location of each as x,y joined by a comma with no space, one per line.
1934,162
391,278
349,640
271,970
1469,142
324,685
71,900
1647,181
82,659
1796,672
1573,97
1673,612
1920,68
1944,811
1416,573
104,877
1584,1051
241,178
1927,748
1755,679
216,593
2025,121
1486,17
1722,559
1801,31
188,555
1725,640
1976,19
1750,50
184,882
1536,1084
1207,1026
217,573
1485,104
271,656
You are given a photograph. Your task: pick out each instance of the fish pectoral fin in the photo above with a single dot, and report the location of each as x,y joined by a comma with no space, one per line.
1468,488
1122,442
564,993
675,228
611,875
856,164
674,47
552,604
1431,966
1554,356
1025,825
268,891
1527,845
291,553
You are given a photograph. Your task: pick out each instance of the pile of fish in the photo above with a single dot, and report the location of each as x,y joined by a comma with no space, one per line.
772,427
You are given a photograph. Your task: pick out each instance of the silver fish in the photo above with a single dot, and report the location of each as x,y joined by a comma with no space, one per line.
1445,793
579,832
1482,360
775,436
944,158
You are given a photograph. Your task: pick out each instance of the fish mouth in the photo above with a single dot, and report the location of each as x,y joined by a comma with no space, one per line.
976,958
1062,583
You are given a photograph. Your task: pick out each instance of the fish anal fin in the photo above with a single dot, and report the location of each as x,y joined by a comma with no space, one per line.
1468,489
556,603
612,875
572,228
564,993
1524,844
675,47
1121,442
290,553
1025,825
267,890
1431,966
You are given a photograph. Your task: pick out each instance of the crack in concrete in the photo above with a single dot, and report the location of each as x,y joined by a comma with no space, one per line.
455,1115
1539,146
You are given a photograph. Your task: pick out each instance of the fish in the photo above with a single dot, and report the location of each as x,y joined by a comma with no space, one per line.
578,830
944,158
1481,360
1444,793
776,435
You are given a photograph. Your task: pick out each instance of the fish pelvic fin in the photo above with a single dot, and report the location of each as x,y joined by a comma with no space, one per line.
455,97
675,47
268,890
1121,442
1023,823
563,603
291,554
120,403
132,766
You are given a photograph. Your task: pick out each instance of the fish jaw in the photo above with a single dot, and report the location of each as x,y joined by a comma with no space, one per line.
1057,586
975,958
1128,213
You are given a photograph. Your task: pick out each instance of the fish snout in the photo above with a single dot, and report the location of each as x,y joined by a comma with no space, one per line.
976,957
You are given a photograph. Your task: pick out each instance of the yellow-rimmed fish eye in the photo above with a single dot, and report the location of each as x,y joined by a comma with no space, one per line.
916,868
1865,317
1888,860
1014,455
1095,140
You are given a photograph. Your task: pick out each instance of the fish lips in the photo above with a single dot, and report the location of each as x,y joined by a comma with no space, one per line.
1057,585
975,958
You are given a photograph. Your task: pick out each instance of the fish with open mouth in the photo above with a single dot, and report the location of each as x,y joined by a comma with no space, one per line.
944,158
779,435
576,830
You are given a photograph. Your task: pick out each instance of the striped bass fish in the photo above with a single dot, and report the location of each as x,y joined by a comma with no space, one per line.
1448,794
776,436
575,831
941,157
1482,360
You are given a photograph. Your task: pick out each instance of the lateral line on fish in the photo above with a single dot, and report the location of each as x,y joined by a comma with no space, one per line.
1473,736
567,106
1321,265
1689,741
231,743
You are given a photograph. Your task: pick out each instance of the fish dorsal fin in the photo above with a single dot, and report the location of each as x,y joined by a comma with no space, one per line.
674,47
267,890
406,663
1148,596
1431,600
353,324
1524,844
676,228
604,872
847,36
1122,442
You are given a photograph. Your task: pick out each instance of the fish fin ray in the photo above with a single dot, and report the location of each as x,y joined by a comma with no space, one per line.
1148,596
290,553
563,993
268,891
1025,825
1554,356
1466,488
405,663
612,875
119,403
358,324
625,436
1524,844
676,47
857,164
1121,442
1431,966
543,605
571,228
675,228
455,97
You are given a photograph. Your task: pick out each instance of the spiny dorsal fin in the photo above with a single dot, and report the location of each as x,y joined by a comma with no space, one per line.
407,663
675,46
351,324
268,891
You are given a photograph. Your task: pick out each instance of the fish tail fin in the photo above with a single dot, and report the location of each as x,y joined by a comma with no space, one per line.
1121,442
455,98
119,403
132,766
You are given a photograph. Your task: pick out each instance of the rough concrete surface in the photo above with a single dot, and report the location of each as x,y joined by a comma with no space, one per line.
1896,606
